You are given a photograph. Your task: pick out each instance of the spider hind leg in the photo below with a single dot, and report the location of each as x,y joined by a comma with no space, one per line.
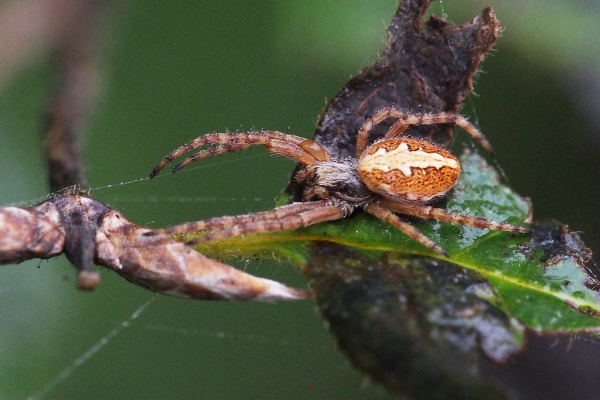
428,212
386,215
405,120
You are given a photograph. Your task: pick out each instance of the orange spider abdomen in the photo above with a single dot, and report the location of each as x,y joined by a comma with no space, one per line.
408,169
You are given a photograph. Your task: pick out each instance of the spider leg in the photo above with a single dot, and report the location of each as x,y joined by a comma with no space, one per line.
406,120
230,221
316,212
386,215
295,147
428,212
213,151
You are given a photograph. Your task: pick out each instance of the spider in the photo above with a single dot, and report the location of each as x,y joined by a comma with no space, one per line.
395,175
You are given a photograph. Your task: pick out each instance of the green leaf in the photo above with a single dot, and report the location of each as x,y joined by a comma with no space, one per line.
415,324
421,324
545,292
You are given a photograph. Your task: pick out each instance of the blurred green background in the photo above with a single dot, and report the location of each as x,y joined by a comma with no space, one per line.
175,70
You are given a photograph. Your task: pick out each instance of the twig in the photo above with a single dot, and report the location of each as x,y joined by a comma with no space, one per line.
89,232
85,230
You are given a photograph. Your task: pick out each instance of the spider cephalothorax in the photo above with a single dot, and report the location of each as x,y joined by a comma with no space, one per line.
395,175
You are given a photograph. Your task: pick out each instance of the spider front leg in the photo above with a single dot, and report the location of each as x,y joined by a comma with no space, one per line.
295,147
406,120
224,222
311,213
